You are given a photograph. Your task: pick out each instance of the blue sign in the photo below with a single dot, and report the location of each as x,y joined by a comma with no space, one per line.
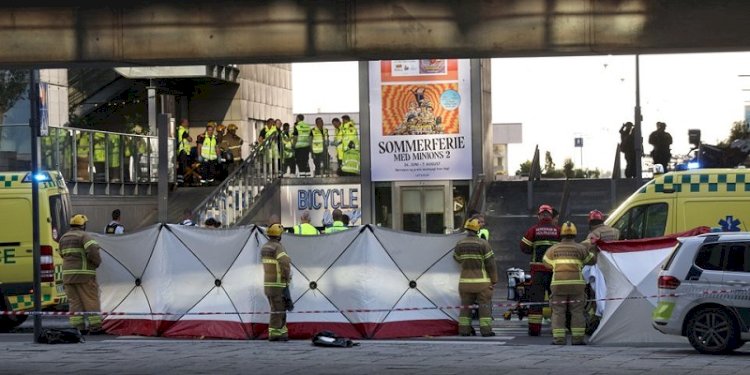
730,224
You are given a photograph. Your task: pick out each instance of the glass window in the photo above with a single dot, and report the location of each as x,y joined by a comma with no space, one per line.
59,213
710,257
738,257
383,206
644,221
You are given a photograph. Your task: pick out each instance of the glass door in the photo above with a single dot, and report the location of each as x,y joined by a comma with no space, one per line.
423,209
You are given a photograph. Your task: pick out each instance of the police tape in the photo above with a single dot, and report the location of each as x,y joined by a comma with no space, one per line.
511,304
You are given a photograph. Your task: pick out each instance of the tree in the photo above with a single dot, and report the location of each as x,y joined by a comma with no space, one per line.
739,130
525,168
13,84
549,165
568,168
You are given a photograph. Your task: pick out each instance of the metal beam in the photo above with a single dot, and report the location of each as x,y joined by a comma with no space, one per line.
158,32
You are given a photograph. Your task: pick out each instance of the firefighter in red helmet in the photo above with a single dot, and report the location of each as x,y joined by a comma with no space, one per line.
535,242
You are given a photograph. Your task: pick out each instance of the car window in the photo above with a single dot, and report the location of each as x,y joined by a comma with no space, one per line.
59,213
738,257
644,221
672,256
710,257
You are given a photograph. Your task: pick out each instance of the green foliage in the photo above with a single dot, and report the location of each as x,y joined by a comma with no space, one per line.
739,130
525,168
13,85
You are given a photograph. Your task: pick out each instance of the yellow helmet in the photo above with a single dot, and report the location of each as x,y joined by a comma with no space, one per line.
231,127
568,229
473,225
78,220
275,230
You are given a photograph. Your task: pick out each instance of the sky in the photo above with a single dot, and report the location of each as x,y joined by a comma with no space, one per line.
557,99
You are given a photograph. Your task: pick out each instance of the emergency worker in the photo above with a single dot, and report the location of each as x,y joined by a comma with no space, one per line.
477,280
208,153
80,254
661,140
115,157
305,228
100,155
115,226
276,276
301,140
338,137
597,231
287,152
232,143
536,241
83,148
483,232
600,231
566,259
269,139
184,146
320,147
338,223
350,165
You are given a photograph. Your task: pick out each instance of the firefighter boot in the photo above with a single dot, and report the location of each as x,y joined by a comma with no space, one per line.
578,340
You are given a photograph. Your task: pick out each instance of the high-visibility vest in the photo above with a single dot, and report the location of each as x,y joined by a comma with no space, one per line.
337,226
305,229
99,147
484,233
338,139
272,150
319,139
82,149
208,148
303,135
349,135
288,149
184,143
351,161
114,151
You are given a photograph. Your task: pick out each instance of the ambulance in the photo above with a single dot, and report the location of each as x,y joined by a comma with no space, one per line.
16,243
679,201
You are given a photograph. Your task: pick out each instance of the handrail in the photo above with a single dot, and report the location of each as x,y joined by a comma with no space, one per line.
237,194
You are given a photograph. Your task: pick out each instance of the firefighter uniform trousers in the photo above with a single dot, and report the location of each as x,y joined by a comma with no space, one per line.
277,322
540,287
84,297
568,298
481,294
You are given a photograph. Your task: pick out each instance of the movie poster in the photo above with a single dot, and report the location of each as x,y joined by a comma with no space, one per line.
420,120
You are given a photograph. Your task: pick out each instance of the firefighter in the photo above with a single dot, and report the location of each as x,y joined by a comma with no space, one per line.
276,275
477,281
81,258
535,242
232,143
566,259
115,226
600,231
483,233
305,228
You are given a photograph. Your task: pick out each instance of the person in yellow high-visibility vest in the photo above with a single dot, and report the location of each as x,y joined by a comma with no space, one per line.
287,153
83,148
208,153
350,164
338,137
320,147
115,157
100,155
184,146
301,140
268,139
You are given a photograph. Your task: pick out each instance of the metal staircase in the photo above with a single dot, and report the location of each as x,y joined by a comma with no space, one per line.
245,188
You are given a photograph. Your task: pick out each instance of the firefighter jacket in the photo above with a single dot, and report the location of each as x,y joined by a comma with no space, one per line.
276,266
80,254
306,229
233,143
539,238
567,259
600,232
477,260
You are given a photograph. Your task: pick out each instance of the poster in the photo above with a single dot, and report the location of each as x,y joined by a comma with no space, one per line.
320,200
420,120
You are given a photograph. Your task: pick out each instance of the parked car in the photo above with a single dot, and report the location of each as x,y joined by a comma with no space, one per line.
704,290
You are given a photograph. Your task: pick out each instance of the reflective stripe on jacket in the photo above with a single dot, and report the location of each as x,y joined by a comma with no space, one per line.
184,143
566,259
484,234
303,135
539,238
337,226
208,148
477,261
350,163
80,255
276,265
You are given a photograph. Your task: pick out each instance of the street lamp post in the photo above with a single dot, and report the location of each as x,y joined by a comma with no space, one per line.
638,144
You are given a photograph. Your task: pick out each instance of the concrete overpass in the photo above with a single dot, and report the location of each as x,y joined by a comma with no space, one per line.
61,33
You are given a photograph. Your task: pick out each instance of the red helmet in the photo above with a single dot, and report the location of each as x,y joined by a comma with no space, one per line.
596,215
545,207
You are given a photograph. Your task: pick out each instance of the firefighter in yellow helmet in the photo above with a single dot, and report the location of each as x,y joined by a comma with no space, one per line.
477,280
276,277
566,259
80,254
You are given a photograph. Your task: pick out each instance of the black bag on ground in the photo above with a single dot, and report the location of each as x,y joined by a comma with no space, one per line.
61,336
330,340
288,301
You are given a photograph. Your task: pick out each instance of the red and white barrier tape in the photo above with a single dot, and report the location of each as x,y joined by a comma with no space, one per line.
508,304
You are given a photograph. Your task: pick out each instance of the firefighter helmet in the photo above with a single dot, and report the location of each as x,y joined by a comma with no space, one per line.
472,225
568,229
596,215
275,230
78,220
231,127
545,207
220,128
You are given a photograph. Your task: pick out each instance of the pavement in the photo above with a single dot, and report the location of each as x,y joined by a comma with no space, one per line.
510,352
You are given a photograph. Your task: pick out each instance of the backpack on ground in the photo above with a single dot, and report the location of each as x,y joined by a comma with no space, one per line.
61,336
331,340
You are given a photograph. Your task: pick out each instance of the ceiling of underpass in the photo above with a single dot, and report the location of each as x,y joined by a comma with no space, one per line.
64,33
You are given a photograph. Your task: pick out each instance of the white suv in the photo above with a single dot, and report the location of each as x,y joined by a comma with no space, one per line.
704,290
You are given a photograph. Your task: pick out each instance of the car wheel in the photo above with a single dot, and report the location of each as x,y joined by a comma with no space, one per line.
712,330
